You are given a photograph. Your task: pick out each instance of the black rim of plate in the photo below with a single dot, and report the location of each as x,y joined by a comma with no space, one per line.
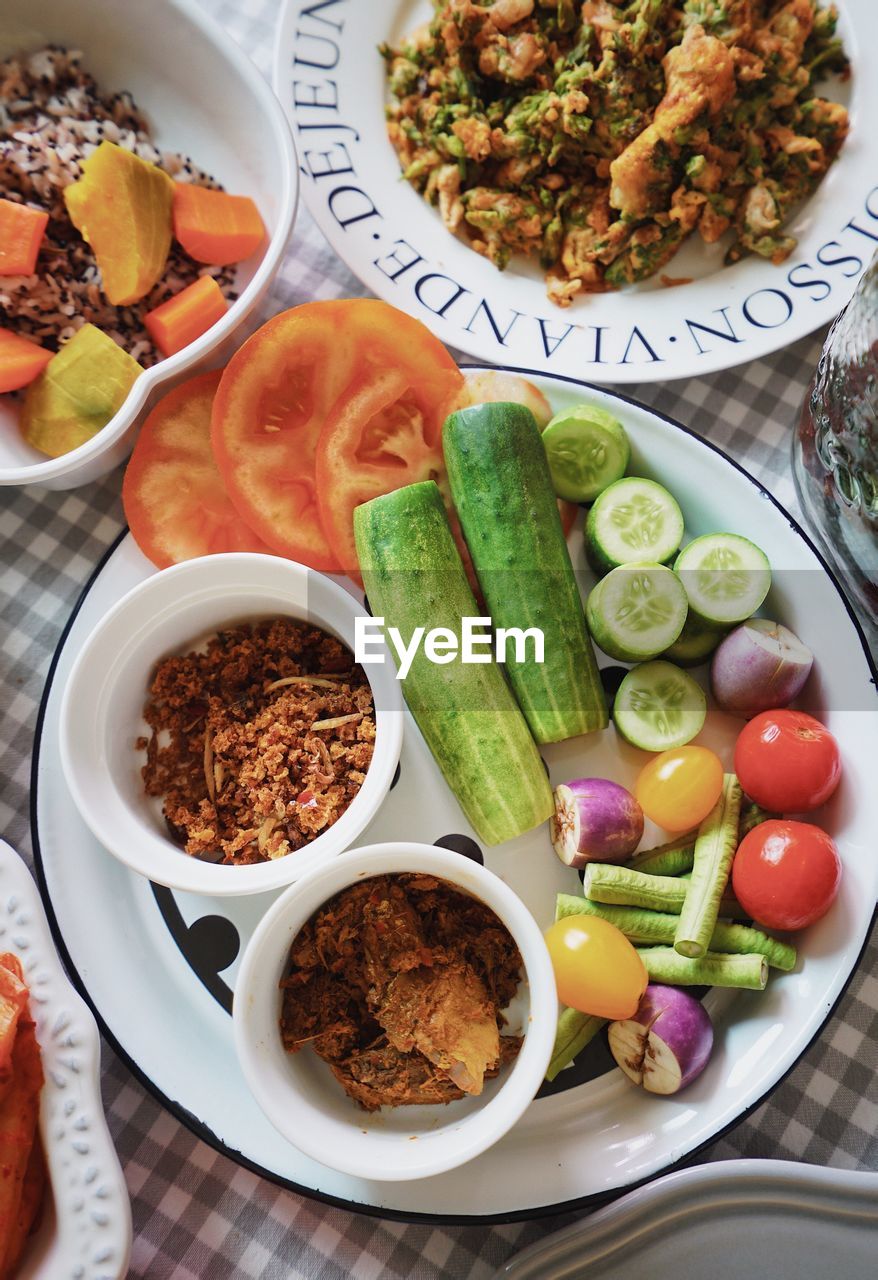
201,1130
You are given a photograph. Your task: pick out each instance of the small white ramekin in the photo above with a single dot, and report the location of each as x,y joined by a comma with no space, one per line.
102,711
298,1092
205,99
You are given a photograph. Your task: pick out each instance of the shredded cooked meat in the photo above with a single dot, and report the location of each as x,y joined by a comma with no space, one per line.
398,982
260,742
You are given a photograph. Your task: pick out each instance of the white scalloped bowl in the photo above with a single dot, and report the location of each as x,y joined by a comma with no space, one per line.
102,711
86,1227
298,1092
204,98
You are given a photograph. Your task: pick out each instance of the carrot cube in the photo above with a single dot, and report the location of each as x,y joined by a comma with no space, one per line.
20,361
186,316
215,227
21,234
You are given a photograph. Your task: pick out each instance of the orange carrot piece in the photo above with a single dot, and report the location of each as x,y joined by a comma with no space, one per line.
20,360
10,961
21,234
186,316
13,1002
30,1208
19,1110
213,226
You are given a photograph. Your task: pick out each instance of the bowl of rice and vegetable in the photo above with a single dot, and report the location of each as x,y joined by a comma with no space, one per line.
147,192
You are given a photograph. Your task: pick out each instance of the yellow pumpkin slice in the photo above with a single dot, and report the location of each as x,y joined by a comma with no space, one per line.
78,392
123,207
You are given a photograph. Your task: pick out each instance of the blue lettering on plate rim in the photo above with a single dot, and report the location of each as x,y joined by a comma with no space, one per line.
328,149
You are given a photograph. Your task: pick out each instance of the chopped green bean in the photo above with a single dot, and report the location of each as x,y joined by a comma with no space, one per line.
664,964
645,927
669,859
741,940
751,816
729,906
571,904
715,847
607,883
574,1032
678,855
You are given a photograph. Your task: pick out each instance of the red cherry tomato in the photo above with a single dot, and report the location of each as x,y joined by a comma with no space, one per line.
597,970
786,874
787,761
678,788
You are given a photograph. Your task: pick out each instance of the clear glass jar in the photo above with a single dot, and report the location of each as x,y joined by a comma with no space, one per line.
835,449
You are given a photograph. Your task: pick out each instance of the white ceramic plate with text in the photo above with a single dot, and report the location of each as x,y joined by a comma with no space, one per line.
329,77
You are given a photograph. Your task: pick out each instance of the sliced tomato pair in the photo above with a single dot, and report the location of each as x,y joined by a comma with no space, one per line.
174,498
324,407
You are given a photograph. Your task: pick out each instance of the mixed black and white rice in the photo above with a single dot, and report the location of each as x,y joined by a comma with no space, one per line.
52,116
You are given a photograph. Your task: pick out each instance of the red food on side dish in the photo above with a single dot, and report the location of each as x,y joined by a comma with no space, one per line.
22,1166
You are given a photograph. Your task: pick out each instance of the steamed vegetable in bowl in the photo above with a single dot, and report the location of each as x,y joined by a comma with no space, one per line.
94,233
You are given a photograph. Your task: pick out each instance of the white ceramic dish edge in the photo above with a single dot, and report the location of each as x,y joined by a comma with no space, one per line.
92,1212
594,1247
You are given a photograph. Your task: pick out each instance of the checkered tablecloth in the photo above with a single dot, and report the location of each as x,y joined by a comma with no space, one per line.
196,1214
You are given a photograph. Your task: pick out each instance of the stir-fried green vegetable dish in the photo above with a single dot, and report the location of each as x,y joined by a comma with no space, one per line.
596,136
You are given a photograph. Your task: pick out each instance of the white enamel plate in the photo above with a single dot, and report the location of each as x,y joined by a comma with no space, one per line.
159,967
329,77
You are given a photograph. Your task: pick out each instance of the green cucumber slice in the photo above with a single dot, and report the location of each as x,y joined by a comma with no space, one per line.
633,521
726,577
636,611
587,450
658,707
695,643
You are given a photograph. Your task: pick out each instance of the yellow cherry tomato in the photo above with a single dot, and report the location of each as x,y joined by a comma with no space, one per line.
597,970
678,788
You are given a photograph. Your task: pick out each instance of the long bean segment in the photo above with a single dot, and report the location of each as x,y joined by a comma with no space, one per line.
574,1032
729,906
715,847
678,855
666,859
751,816
606,883
660,926
664,964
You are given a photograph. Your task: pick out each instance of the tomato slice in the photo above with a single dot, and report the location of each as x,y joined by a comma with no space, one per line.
387,431
326,371
273,398
174,499
381,438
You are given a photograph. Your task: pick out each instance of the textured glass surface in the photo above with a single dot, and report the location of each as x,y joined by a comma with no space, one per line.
835,450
